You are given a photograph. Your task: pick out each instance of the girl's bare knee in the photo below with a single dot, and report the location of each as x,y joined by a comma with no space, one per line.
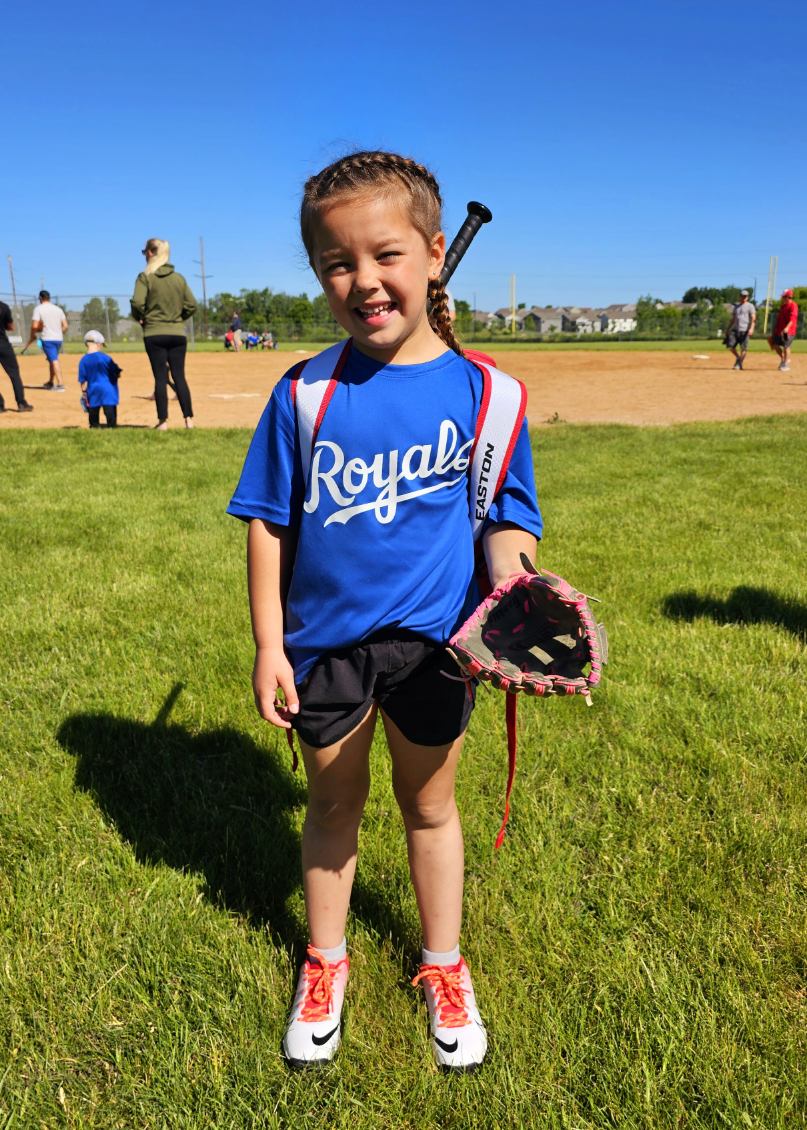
335,814
419,814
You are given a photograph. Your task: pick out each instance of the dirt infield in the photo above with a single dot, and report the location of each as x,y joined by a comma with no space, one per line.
573,386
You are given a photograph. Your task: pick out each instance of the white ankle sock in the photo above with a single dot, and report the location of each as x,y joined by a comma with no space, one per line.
337,953
432,957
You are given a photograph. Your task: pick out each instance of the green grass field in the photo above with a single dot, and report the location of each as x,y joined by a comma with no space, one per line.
637,944
502,344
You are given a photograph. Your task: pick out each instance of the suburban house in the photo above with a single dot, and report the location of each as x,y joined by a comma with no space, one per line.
484,319
619,318
614,319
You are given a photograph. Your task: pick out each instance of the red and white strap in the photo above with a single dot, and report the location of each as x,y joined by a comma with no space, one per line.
496,435
311,391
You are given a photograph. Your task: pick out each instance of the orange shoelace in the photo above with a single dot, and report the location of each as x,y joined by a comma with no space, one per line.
319,987
449,995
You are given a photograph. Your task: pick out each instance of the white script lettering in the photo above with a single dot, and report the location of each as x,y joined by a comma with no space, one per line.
345,480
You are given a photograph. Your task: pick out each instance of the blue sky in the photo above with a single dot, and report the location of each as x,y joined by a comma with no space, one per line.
623,148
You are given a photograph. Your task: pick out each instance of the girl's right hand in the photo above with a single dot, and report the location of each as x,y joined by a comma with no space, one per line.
273,677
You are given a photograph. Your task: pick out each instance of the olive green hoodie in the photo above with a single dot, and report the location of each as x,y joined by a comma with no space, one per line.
162,301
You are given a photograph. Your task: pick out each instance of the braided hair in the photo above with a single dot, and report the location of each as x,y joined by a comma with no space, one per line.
374,172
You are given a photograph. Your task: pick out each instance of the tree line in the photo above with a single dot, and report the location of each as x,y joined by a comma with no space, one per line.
298,317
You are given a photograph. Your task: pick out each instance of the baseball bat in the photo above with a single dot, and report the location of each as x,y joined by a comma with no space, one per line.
478,215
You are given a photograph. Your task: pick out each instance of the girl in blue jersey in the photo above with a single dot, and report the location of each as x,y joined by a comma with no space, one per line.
361,568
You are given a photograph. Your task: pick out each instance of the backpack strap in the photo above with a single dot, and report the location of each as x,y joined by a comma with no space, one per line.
501,414
312,387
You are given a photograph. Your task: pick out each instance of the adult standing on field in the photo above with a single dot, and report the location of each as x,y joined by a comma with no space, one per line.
741,328
8,359
162,302
51,321
785,330
235,327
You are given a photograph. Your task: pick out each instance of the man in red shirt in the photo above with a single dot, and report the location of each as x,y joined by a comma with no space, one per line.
785,330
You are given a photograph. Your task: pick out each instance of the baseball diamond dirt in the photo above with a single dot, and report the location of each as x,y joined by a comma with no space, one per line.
570,386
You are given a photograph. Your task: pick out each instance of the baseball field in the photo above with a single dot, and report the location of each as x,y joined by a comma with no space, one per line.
612,385
638,943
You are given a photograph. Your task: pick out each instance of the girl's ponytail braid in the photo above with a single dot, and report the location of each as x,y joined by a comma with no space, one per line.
439,317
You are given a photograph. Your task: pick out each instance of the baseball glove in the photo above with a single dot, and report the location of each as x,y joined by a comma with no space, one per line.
534,634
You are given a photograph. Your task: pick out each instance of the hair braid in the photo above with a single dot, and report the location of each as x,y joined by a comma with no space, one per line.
439,317
373,172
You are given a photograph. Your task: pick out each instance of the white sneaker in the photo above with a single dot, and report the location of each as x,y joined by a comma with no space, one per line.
314,1030
784,368
459,1040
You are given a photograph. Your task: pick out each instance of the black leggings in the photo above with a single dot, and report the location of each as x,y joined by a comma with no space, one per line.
111,413
167,352
8,359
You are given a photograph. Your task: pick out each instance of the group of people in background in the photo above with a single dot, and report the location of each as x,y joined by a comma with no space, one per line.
162,302
743,323
235,338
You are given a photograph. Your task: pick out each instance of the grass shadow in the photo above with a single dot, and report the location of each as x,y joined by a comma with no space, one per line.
213,803
744,605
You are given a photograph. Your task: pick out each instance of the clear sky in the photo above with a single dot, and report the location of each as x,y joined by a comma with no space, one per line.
623,148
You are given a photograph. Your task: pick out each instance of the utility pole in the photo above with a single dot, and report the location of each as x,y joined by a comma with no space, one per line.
513,304
204,277
773,267
18,310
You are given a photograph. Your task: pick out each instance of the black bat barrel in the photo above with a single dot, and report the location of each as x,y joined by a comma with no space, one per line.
478,215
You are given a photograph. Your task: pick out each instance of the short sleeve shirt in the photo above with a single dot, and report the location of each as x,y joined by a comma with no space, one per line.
787,318
100,373
743,314
382,525
51,317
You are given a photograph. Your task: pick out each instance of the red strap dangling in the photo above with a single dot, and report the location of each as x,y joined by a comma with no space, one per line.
511,715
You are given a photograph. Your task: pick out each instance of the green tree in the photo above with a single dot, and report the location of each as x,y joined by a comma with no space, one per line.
112,313
463,322
716,294
93,316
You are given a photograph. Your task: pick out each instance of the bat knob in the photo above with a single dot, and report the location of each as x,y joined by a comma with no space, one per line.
481,210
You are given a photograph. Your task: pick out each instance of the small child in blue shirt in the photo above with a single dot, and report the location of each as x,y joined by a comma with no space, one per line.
98,376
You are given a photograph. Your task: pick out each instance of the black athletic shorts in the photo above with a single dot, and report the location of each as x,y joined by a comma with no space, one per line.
782,340
400,671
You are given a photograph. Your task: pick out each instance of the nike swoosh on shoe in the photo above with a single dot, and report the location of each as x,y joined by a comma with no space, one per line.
446,1046
321,1040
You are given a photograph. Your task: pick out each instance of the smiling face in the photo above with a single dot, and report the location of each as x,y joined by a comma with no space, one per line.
375,267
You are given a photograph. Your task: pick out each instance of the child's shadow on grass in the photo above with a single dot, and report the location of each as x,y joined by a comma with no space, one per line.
744,605
213,803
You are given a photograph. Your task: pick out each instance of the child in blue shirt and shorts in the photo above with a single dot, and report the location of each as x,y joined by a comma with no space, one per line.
361,566
98,376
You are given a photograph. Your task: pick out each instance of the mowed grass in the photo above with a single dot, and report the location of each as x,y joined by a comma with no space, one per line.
500,345
637,944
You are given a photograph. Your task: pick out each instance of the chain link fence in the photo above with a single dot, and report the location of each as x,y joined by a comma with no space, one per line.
672,321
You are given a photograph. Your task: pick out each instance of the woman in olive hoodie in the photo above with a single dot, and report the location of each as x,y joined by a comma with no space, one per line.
162,302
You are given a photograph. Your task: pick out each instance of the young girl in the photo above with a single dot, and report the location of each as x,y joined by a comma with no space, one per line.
361,570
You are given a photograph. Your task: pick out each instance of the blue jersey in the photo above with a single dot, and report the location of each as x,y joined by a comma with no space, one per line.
382,527
100,373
